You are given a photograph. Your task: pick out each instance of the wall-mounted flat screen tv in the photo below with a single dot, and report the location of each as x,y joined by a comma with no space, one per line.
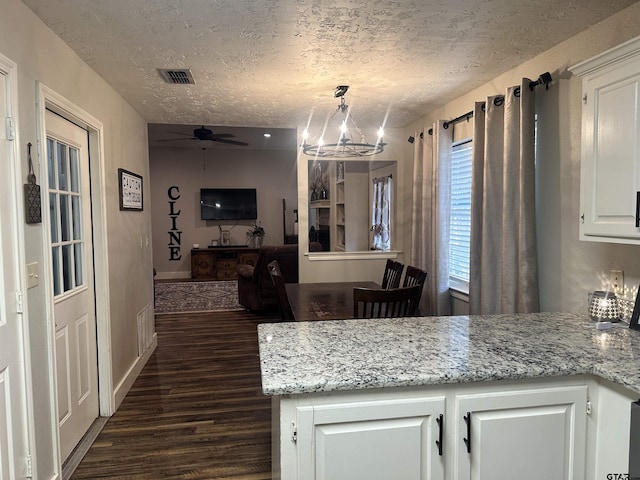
228,204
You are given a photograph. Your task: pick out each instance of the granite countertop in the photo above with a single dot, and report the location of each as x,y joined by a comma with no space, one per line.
305,357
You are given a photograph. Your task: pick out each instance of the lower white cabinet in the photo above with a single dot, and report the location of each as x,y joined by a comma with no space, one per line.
528,435
378,440
483,434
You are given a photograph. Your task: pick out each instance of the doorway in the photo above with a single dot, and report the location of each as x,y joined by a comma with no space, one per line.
49,103
71,270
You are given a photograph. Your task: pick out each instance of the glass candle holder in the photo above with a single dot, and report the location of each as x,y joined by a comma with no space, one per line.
604,307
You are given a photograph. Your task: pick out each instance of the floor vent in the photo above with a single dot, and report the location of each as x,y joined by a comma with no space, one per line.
146,329
177,76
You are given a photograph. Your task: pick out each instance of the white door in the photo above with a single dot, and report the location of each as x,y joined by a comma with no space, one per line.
524,435
13,405
72,273
377,440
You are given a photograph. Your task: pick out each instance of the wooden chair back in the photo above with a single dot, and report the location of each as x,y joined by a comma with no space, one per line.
392,274
386,303
414,276
278,282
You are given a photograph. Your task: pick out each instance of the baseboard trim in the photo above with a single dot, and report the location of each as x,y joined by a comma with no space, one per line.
83,447
172,275
125,384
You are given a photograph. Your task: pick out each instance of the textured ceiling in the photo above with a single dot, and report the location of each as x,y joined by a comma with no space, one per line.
275,63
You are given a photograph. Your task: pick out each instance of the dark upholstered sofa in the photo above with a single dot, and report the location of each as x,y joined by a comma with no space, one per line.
255,288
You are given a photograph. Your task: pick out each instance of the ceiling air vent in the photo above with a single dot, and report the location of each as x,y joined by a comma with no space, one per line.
177,76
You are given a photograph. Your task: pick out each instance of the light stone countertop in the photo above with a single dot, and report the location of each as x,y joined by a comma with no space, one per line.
306,357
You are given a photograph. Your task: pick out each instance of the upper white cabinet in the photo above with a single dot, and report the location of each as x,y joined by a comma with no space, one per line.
610,168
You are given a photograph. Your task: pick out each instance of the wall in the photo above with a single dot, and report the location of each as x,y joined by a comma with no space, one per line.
568,268
43,57
271,172
354,266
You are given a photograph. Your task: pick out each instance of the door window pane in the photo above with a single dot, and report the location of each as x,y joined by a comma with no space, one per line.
64,218
75,170
77,260
63,174
67,270
51,164
76,218
55,255
53,213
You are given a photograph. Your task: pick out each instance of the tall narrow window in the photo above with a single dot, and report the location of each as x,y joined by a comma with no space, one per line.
460,230
381,213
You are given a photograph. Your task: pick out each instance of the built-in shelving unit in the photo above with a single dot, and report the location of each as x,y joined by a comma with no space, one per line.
340,215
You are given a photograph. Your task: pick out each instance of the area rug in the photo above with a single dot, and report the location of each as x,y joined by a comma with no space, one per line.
195,297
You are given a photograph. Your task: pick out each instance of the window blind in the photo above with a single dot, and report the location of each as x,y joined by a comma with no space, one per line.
460,228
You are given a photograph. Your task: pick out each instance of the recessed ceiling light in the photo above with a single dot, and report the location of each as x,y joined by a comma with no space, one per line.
267,135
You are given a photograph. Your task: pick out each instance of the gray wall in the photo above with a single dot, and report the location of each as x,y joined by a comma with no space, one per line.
271,172
43,57
568,268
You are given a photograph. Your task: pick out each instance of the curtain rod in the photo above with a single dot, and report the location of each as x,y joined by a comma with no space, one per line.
543,79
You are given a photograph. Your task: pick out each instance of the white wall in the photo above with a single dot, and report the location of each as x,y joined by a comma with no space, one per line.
43,57
337,266
271,172
568,268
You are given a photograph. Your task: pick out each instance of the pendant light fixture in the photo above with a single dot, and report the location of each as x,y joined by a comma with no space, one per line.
351,141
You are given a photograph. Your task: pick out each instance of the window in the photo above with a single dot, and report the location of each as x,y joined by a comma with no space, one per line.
460,230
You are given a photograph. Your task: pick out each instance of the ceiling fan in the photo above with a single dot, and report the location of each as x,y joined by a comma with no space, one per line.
204,134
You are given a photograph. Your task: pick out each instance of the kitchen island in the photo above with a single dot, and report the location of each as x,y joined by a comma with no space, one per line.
452,397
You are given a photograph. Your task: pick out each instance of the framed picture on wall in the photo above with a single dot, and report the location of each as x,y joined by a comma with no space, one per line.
130,190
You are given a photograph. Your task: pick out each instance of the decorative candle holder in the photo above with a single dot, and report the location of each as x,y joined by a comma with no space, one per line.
604,307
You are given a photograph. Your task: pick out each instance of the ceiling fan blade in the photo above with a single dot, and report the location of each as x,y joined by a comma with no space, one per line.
230,142
176,139
221,135
182,133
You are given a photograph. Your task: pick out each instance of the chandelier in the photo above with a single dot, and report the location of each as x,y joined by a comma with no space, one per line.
345,146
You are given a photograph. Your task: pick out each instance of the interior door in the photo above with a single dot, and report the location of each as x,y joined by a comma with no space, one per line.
72,273
13,405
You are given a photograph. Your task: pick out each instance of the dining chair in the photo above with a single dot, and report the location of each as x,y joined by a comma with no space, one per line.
414,276
392,274
386,303
286,313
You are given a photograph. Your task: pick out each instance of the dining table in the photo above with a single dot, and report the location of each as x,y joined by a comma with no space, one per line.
323,301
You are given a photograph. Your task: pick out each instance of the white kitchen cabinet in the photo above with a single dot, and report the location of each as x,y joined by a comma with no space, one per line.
610,155
374,440
516,431
528,435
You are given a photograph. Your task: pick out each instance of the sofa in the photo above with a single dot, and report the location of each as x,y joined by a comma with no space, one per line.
255,288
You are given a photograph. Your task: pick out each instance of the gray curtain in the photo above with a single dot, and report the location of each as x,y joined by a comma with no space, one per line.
503,269
430,216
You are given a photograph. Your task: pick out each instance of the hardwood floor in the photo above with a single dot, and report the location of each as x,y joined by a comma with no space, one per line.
196,411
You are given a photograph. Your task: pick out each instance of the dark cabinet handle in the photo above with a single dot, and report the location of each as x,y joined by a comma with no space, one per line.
467,439
439,421
637,209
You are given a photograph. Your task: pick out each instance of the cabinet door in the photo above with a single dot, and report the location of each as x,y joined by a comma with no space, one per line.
524,435
610,174
201,264
377,440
